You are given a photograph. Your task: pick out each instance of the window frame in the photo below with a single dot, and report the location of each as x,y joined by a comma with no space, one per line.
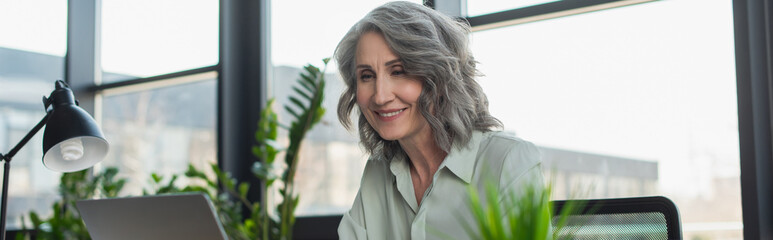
754,78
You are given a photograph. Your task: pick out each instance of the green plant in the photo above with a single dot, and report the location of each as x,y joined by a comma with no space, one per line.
65,223
308,112
306,108
529,216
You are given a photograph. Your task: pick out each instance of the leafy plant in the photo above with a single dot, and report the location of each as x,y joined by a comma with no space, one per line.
529,216
65,223
306,108
307,112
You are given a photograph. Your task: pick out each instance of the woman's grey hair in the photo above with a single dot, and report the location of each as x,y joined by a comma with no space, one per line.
433,47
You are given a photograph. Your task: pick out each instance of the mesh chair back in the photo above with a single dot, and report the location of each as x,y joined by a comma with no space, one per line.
621,218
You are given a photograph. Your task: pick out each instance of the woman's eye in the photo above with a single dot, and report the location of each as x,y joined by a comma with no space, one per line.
366,76
398,72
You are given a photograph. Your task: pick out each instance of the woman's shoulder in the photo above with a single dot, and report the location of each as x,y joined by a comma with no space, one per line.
376,165
377,172
505,141
508,148
513,157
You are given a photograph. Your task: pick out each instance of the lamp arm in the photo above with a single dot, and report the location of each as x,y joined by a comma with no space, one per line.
6,170
7,157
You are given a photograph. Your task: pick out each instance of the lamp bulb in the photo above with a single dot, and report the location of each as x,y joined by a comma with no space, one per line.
72,149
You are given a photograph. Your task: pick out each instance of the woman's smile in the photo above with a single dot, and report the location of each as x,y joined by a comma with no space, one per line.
389,115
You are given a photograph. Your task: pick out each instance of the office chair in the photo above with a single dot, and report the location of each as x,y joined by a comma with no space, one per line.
621,218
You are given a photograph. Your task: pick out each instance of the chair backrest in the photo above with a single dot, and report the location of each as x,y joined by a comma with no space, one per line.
621,218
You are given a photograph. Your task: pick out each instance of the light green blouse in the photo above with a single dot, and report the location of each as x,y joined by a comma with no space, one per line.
386,208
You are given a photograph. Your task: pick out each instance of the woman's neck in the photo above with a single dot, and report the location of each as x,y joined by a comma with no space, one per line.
424,154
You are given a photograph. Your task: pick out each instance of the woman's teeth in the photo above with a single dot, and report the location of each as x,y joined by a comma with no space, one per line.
391,113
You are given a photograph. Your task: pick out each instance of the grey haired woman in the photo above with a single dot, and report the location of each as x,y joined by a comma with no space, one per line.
424,120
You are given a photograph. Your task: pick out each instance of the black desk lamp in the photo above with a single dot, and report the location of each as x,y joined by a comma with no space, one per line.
72,141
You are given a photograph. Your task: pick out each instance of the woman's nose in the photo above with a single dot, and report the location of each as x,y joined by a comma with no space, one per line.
383,92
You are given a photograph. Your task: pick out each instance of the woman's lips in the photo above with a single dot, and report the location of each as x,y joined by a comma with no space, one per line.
389,115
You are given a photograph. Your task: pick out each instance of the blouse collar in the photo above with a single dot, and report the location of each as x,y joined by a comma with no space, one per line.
460,161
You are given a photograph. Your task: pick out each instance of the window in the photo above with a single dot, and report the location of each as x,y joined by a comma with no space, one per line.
628,103
32,49
147,38
160,129
157,104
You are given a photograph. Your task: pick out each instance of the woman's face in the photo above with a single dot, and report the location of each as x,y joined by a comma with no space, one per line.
386,95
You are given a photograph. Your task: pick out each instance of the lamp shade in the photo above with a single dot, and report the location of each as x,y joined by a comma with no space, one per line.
72,140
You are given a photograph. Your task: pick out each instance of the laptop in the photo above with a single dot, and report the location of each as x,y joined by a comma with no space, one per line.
174,216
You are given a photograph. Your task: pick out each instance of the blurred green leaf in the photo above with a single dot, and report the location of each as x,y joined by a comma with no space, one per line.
155,177
310,81
292,112
302,93
300,105
243,188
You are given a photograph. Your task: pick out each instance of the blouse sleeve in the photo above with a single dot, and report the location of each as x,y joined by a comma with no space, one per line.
521,169
353,222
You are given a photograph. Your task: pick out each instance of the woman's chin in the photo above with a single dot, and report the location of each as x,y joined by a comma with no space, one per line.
389,136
